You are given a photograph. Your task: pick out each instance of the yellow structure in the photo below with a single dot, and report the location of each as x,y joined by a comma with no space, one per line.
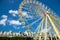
52,23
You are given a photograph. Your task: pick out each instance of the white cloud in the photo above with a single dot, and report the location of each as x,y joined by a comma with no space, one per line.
14,22
26,15
13,12
4,16
3,21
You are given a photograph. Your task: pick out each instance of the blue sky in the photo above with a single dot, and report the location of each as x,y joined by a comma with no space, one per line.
6,6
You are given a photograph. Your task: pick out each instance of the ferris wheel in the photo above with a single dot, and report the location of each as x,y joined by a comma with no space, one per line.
32,11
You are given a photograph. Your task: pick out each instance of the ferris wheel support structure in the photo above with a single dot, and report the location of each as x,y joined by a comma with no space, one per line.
46,28
53,25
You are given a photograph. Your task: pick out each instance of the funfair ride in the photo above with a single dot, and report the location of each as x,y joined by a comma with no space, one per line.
48,20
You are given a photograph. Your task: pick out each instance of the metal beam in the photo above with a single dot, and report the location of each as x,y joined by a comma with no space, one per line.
53,25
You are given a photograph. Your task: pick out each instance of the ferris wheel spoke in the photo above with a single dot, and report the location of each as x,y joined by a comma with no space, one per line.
38,29
35,21
26,9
